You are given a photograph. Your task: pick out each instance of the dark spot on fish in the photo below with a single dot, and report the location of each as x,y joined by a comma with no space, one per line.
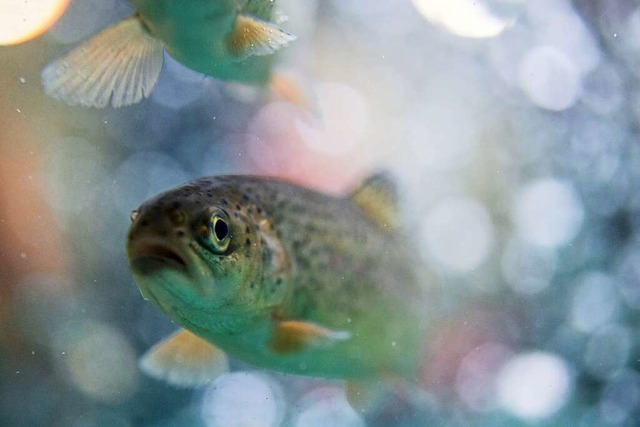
176,205
278,281
238,207
299,209
180,233
236,215
247,242
247,229
245,197
224,202
304,263
259,210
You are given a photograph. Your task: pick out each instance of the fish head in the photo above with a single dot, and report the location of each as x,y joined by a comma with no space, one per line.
198,250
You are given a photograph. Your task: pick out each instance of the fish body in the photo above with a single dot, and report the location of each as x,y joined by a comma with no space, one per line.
305,283
226,39
195,33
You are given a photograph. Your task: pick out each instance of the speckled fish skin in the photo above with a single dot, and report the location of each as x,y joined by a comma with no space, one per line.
294,254
194,32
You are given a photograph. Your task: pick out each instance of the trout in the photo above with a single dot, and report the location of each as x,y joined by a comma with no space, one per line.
226,39
281,277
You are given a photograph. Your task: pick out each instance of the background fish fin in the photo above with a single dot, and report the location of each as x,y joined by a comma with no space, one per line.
284,87
378,199
185,360
262,9
252,36
122,63
291,336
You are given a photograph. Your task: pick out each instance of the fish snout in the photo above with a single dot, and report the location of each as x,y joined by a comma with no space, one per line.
164,224
158,234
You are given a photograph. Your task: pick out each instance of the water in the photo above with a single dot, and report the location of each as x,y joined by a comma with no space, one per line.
513,134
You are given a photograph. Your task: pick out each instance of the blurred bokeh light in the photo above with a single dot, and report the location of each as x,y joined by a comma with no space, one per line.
534,385
467,18
242,399
21,20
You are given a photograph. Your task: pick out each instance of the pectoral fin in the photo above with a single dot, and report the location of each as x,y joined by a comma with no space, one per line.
290,336
252,36
184,359
121,64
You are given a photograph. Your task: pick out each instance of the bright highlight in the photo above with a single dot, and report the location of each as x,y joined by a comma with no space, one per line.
535,385
23,20
466,18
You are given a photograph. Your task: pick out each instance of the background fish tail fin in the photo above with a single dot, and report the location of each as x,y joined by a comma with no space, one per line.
121,64
252,36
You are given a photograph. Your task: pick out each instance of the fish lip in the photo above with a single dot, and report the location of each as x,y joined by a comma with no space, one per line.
150,257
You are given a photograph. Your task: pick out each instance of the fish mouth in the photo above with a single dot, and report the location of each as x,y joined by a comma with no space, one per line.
150,258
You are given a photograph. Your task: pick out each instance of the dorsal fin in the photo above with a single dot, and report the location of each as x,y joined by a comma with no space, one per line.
378,199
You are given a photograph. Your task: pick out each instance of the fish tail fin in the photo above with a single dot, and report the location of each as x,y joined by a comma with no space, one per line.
121,64
253,36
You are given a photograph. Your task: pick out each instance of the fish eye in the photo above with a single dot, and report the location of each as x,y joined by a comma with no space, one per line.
220,229
219,232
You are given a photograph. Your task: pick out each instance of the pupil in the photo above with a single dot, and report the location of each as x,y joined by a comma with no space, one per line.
221,229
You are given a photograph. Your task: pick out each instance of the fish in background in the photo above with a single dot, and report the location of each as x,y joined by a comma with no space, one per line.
231,40
283,278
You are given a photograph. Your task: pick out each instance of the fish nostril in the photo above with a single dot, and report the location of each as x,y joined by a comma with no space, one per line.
177,218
